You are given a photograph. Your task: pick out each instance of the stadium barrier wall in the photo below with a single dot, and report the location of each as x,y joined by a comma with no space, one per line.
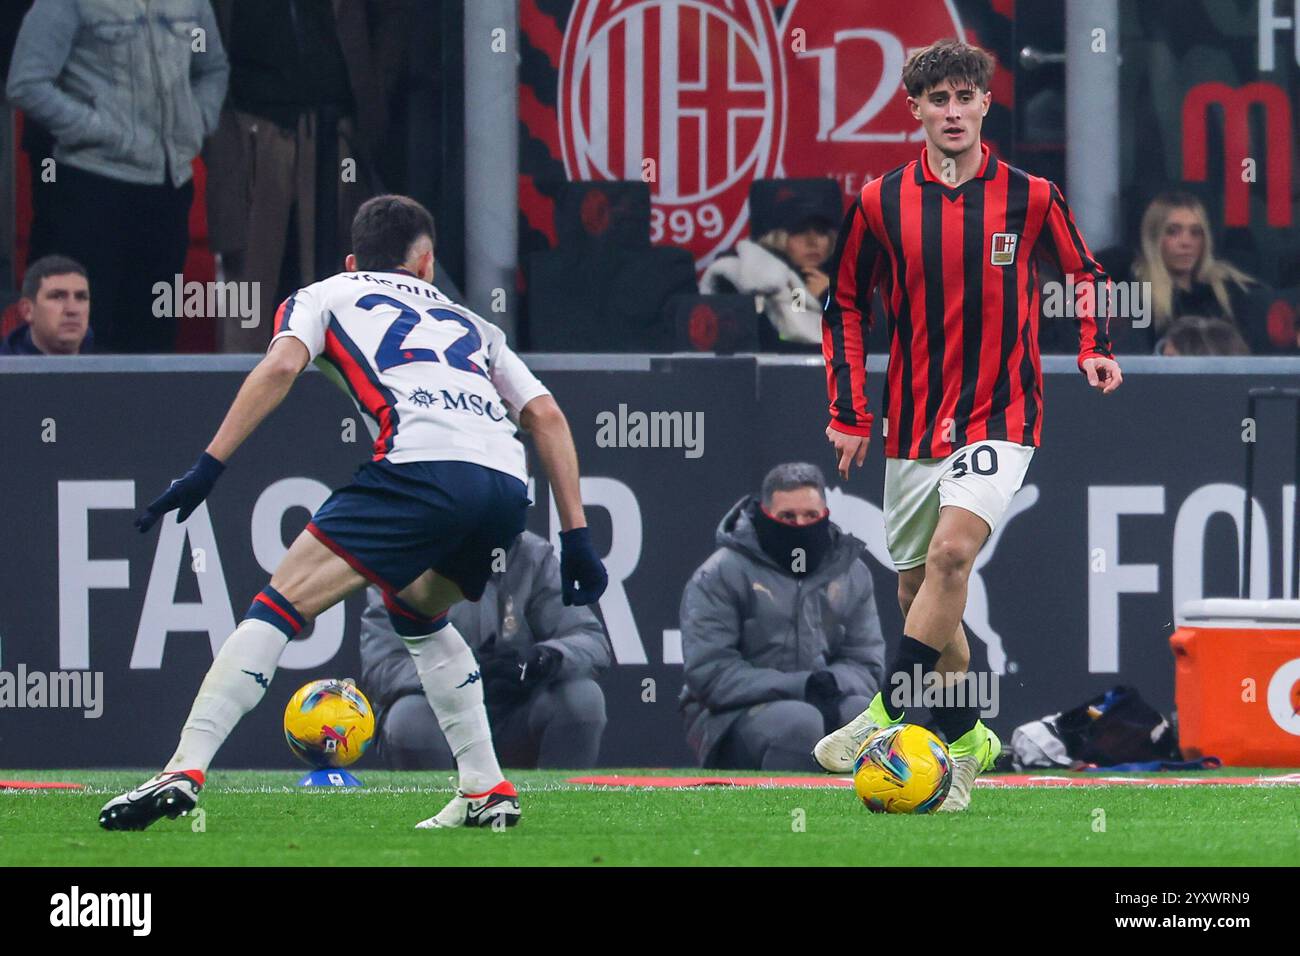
1132,506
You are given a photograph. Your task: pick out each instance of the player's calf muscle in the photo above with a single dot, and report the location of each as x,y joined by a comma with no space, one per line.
955,658
909,583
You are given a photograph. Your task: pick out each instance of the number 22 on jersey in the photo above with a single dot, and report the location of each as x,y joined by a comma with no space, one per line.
391,352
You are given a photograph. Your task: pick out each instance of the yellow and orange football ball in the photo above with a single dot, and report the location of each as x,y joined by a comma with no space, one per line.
329,723
902,769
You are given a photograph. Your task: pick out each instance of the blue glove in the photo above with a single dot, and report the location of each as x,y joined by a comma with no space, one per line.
582,576
185,493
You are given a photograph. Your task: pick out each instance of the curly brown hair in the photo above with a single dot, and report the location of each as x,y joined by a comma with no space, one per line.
948,59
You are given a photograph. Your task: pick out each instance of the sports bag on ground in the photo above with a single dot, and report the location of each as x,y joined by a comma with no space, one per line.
1115,727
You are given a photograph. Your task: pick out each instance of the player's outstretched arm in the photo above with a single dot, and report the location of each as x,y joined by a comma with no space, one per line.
583,575
262,392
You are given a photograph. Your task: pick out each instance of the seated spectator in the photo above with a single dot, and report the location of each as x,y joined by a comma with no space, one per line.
55,309
780,635
1198,335
537,657
1177,259
785,267
128,91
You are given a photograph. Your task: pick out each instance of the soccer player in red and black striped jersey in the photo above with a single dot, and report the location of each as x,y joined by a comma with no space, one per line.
951,241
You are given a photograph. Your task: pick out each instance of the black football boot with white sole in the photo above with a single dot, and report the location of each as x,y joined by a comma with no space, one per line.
169,794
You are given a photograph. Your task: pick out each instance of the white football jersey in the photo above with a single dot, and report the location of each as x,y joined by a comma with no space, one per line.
433,381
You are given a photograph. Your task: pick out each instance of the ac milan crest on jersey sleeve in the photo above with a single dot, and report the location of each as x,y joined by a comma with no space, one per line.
433,381
957,271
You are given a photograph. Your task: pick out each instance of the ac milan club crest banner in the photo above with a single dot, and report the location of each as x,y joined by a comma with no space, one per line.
699,98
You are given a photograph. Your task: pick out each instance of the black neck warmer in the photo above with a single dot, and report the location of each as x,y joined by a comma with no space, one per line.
798,549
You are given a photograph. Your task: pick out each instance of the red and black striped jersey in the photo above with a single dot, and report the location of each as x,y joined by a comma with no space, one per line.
957,271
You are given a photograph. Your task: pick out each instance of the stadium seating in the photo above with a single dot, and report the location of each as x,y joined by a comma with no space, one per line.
605,298
603,288
722,324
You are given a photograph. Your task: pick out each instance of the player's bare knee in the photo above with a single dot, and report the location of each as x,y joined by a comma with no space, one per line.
951,558
426,605
410,622
430,594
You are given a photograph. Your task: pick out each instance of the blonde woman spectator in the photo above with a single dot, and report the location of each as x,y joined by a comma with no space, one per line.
1177,259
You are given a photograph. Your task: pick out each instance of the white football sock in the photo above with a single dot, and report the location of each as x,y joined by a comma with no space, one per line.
233,686
450,677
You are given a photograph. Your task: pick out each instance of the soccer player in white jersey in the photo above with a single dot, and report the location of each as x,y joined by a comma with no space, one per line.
422,519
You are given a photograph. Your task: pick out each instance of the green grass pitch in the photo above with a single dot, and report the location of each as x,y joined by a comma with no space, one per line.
261,818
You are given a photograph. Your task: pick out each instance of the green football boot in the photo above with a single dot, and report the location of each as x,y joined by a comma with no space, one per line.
973,753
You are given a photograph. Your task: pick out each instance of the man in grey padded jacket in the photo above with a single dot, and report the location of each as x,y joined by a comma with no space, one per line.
780,636
538,660
129,91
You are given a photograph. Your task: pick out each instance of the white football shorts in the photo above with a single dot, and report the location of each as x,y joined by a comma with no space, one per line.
980,477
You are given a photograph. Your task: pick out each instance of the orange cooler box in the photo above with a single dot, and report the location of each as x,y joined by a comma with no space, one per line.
1237,681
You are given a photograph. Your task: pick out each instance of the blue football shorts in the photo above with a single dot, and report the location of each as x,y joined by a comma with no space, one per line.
395,521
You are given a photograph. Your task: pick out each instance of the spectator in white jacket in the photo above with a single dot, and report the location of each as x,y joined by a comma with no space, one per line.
783,269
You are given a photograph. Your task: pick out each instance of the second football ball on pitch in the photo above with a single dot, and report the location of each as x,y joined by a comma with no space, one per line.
329,723
902,769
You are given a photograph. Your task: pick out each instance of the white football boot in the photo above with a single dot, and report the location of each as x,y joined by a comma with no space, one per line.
835,751
972,753
166,795
493,808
